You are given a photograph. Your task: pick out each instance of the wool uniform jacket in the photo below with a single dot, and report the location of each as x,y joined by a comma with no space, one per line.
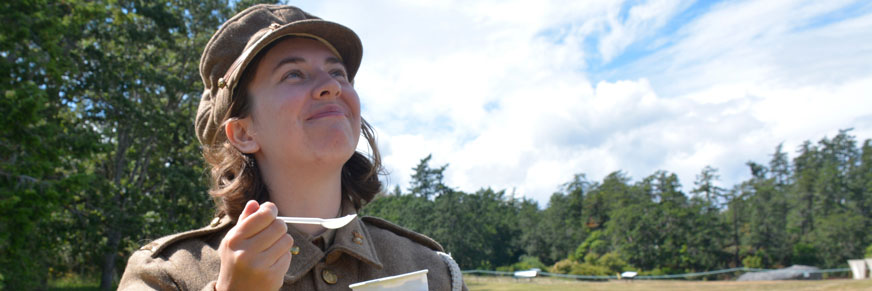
365,249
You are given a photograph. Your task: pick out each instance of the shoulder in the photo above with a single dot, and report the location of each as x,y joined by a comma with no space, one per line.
159,246
177,260
385,227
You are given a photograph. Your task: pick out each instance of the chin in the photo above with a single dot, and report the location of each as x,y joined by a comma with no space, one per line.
334,153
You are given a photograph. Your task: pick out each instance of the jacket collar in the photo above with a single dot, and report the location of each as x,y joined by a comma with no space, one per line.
352,239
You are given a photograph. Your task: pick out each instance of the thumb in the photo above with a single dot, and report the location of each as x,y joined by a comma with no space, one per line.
250,207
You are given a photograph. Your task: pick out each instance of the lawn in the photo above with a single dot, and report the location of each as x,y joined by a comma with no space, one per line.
477,283
483,283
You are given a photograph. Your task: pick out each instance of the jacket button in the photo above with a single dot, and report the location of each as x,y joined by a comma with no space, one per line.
329,277
358,238
295,250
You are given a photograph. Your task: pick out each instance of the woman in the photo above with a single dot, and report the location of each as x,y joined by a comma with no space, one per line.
279,121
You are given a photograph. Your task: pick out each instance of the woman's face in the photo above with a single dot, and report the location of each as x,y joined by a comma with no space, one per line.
304,109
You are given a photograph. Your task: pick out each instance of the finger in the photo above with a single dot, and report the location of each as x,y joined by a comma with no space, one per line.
281,247
282,264
257,221
272,207
267,237
250,207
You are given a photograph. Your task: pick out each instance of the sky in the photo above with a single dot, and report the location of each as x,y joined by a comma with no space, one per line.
523,95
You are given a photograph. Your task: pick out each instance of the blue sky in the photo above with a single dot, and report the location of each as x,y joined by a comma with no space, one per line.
522,95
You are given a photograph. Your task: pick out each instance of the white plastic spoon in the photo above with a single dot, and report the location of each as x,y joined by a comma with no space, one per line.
331,223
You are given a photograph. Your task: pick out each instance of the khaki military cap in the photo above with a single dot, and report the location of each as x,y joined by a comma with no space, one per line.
241,38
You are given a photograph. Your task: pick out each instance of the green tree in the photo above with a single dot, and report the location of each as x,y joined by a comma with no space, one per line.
736,215
532,239
839,226
768,212
634,231
806,166
804,254
780,169
140,88
480,229
674,219
709,234
633,227
409,211
428,182
839,237
707,237
861,186
705,185
42,142
106,92
560,235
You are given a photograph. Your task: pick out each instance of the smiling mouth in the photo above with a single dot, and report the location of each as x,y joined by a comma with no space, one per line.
327,111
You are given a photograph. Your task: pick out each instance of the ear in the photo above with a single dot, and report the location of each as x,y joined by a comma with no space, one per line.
241,136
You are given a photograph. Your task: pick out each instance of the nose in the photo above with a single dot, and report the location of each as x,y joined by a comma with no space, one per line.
328,87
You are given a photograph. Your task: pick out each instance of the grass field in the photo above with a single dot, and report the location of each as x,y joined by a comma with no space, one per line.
479,283
476,283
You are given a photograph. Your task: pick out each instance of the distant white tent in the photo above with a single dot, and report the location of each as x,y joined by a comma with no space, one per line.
858,267
627,275
531,273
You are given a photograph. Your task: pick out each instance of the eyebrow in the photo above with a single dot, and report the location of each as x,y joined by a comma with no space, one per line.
288,60
333,60
295,60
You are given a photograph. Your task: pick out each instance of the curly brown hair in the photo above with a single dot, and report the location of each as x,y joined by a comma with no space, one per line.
236,178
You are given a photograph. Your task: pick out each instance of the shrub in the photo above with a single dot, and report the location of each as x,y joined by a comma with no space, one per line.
804,254
593,244
753,261
525,263
563,266
612,261
589,269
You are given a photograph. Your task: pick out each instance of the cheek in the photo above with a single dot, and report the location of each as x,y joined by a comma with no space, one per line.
287,103
353,102
277,115
356,119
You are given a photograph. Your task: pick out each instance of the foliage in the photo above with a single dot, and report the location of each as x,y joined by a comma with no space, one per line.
98,155
43,147
594,244
804,254
811,210
525,263
593,265
753,261
428,182
98,152
613,262
139,89
478,229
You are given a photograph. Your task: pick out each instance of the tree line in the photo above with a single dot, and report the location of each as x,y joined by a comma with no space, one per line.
97,148
98,156
811,210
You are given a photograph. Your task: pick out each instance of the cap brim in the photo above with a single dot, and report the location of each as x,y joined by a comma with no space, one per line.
340,39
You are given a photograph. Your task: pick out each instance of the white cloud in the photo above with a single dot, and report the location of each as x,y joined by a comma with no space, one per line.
642,20
501,90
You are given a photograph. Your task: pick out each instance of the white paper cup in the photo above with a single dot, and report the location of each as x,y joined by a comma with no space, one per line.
414,281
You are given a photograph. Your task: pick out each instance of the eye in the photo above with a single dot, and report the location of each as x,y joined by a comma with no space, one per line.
339,73
293,74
